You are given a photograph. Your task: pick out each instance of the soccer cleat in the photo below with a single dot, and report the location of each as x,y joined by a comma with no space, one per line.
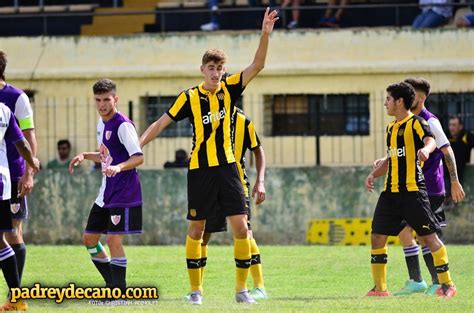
209,27
258,294
431,291
244,297
446,291
412,287
20,305
375,293
195,298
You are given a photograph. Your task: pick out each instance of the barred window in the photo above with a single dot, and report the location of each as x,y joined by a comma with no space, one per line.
155,107
447,104
328,114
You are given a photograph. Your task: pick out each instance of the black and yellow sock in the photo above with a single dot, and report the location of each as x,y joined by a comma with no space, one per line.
440,259
203,261
256,265
242,261
193,260
379,268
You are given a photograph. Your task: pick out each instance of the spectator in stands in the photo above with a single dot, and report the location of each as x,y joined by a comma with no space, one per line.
180,160
295,12
330,20
214,7
63,159
462,143
467,20
432,15
214,23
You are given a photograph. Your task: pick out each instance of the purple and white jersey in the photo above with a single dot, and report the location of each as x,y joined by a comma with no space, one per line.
9,132
433,167
118,141
17,101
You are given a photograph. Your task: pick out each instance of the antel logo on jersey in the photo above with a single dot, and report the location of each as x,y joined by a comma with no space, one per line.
400,152
213,117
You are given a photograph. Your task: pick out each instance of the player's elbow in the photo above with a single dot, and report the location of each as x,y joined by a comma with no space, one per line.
139,159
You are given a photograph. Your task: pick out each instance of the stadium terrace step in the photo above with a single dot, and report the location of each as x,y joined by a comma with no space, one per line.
118,24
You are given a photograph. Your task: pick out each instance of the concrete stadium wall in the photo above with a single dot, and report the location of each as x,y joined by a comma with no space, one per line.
63,69
60,204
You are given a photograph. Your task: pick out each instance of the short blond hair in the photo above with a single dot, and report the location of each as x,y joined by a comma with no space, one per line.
214,55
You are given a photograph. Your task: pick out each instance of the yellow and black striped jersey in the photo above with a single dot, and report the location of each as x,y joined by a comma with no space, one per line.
210,115
245,137
404,139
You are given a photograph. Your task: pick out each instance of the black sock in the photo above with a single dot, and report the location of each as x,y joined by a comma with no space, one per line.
119,271
413,264
103,266
430,264
9,267
20,253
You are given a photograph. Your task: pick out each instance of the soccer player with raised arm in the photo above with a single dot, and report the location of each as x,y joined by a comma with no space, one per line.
404,197
213,177
434,176
117,210
21,175
245,138
10,132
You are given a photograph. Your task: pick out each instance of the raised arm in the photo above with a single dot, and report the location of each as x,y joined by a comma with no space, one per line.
258,192
258,63
155,129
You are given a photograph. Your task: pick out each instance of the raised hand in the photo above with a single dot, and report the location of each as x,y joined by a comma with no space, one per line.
269,20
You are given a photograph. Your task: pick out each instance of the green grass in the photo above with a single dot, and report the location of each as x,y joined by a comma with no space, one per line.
298,278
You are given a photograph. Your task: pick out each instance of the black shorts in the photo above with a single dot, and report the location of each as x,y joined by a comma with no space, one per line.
114,220
436,206
215,191
18,206
394,208
437,209
6,224
218,223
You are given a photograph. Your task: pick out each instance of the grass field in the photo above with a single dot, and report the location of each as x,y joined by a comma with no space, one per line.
298,278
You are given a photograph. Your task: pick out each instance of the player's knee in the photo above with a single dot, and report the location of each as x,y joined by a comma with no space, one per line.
196,230
241,231
89,241
114,241
378,241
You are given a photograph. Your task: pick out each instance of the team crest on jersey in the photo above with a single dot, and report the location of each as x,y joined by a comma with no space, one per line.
115,219
14,207
105,157
220,96
108,134
192,212
400,132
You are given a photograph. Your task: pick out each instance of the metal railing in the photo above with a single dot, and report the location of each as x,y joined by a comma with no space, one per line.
164,14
